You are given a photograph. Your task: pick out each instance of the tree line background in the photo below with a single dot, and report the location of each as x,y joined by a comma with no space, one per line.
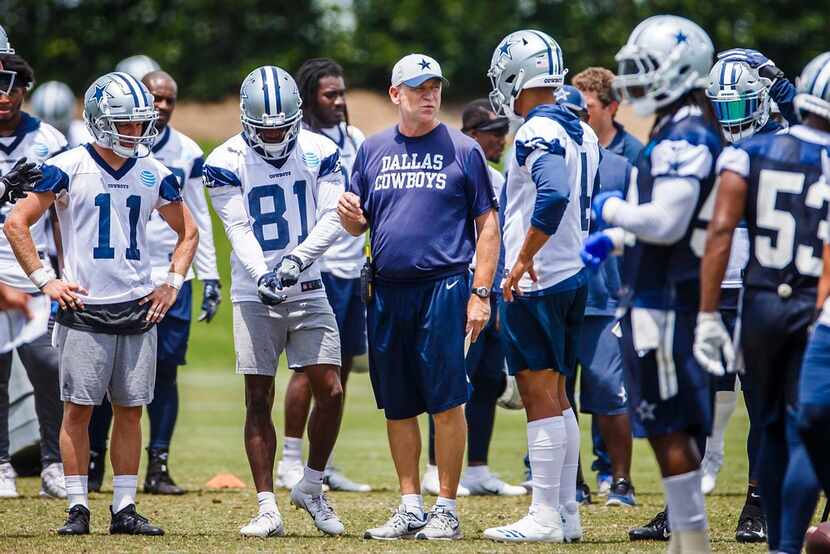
210,45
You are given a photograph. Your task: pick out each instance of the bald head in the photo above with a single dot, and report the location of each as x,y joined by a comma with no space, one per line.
164,90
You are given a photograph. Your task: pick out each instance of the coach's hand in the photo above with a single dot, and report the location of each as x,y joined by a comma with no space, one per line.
511,282
161,299
267,288
13,299
478,314
350,212
712,344
211,299
64,293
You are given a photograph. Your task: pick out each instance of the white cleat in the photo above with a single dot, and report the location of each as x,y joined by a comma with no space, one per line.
8,481
571,522
321,512
52,483
541,524
402,525
711,464
431,485
289,473
492,486
264,525
442,525
336,481
510,399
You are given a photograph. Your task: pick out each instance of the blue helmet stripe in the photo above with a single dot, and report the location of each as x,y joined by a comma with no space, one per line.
811,88
277,88
723,75
550,53
265,90
138,103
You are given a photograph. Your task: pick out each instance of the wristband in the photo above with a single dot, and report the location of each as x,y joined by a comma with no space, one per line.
174,280
41,276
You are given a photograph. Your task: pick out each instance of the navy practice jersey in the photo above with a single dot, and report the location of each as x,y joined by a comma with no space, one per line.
786,206
666,276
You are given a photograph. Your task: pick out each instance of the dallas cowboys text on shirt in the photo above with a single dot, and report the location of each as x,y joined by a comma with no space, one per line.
413,170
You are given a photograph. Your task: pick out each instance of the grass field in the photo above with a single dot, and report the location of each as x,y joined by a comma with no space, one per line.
208,441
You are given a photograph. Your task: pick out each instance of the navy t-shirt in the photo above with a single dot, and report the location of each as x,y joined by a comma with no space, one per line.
421,196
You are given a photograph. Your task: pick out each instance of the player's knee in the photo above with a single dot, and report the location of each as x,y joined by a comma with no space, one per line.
75,415
489,388
447,417
166,373
813,418
127,415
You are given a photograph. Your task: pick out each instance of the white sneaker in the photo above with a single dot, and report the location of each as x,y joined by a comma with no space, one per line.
431,485
711,464
492,486
8,483
289,473
510,399
541,524
442,525
264,525
336,481
320,510
52,483
402,525
571,522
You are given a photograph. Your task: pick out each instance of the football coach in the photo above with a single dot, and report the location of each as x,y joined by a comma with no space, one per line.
423,191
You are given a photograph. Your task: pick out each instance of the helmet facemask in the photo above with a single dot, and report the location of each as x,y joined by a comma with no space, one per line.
271,150
104,129
741,115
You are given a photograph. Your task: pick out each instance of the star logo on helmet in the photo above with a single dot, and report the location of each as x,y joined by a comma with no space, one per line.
681,37
504,49
424,64
100,91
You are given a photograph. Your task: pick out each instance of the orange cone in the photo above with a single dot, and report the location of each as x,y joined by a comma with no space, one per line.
225,481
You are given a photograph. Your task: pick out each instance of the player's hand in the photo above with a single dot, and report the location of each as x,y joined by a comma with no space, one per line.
19,180
596,250
478,314
211,299
66,294
349,210
161,300
599,203
13,299
289,271
267,288
511,282
755,59
712,344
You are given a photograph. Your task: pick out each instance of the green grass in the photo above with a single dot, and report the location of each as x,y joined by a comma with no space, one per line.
208,441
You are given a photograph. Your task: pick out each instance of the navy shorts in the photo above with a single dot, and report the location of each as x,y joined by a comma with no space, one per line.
349,311
174,329
542,332
814,388
601,389
416,346
691,408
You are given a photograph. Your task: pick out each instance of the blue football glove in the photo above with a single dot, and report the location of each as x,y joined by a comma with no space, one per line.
289,270
210,299
756,60
267,289
598,203
596,250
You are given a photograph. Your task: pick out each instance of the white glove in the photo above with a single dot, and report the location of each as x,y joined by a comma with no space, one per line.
712,344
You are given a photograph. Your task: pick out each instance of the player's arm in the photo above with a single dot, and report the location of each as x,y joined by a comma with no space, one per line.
349,206
204,262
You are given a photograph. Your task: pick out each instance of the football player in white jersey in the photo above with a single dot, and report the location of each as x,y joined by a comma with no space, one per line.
323,91
105,333
23,136
54,103
550,180
275,187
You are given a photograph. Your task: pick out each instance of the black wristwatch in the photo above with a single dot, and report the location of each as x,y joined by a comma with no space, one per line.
481,292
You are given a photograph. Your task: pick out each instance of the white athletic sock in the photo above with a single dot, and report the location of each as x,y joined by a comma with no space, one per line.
414,503
312,481
546,449
292,449
570,466
267,502
477,473
685,500
123,491
448,504
77,490
725,402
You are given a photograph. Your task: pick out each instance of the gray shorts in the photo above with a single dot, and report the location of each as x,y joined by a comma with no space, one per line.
305,329
95,364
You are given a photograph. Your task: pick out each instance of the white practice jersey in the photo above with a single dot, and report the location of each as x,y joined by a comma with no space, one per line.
345,257
103,217
36,141
184,158
497,180
559,258
271,209
78,133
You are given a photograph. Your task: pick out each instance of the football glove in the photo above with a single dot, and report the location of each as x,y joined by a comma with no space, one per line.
20,179
756,60
289,270
210,299
267,288
599,203
712,344
596,250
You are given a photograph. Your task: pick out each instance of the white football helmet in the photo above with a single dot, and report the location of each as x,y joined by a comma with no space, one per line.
665,57
54,103
138,66
739,97
269,99
522,60
5,45
813,87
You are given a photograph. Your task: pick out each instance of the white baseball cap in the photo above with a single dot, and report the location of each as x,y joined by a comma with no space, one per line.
413,69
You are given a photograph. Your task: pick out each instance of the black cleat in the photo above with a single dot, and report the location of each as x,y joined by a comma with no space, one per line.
95,474
655,530
77,522
128,522
158,480
752,525
583,494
